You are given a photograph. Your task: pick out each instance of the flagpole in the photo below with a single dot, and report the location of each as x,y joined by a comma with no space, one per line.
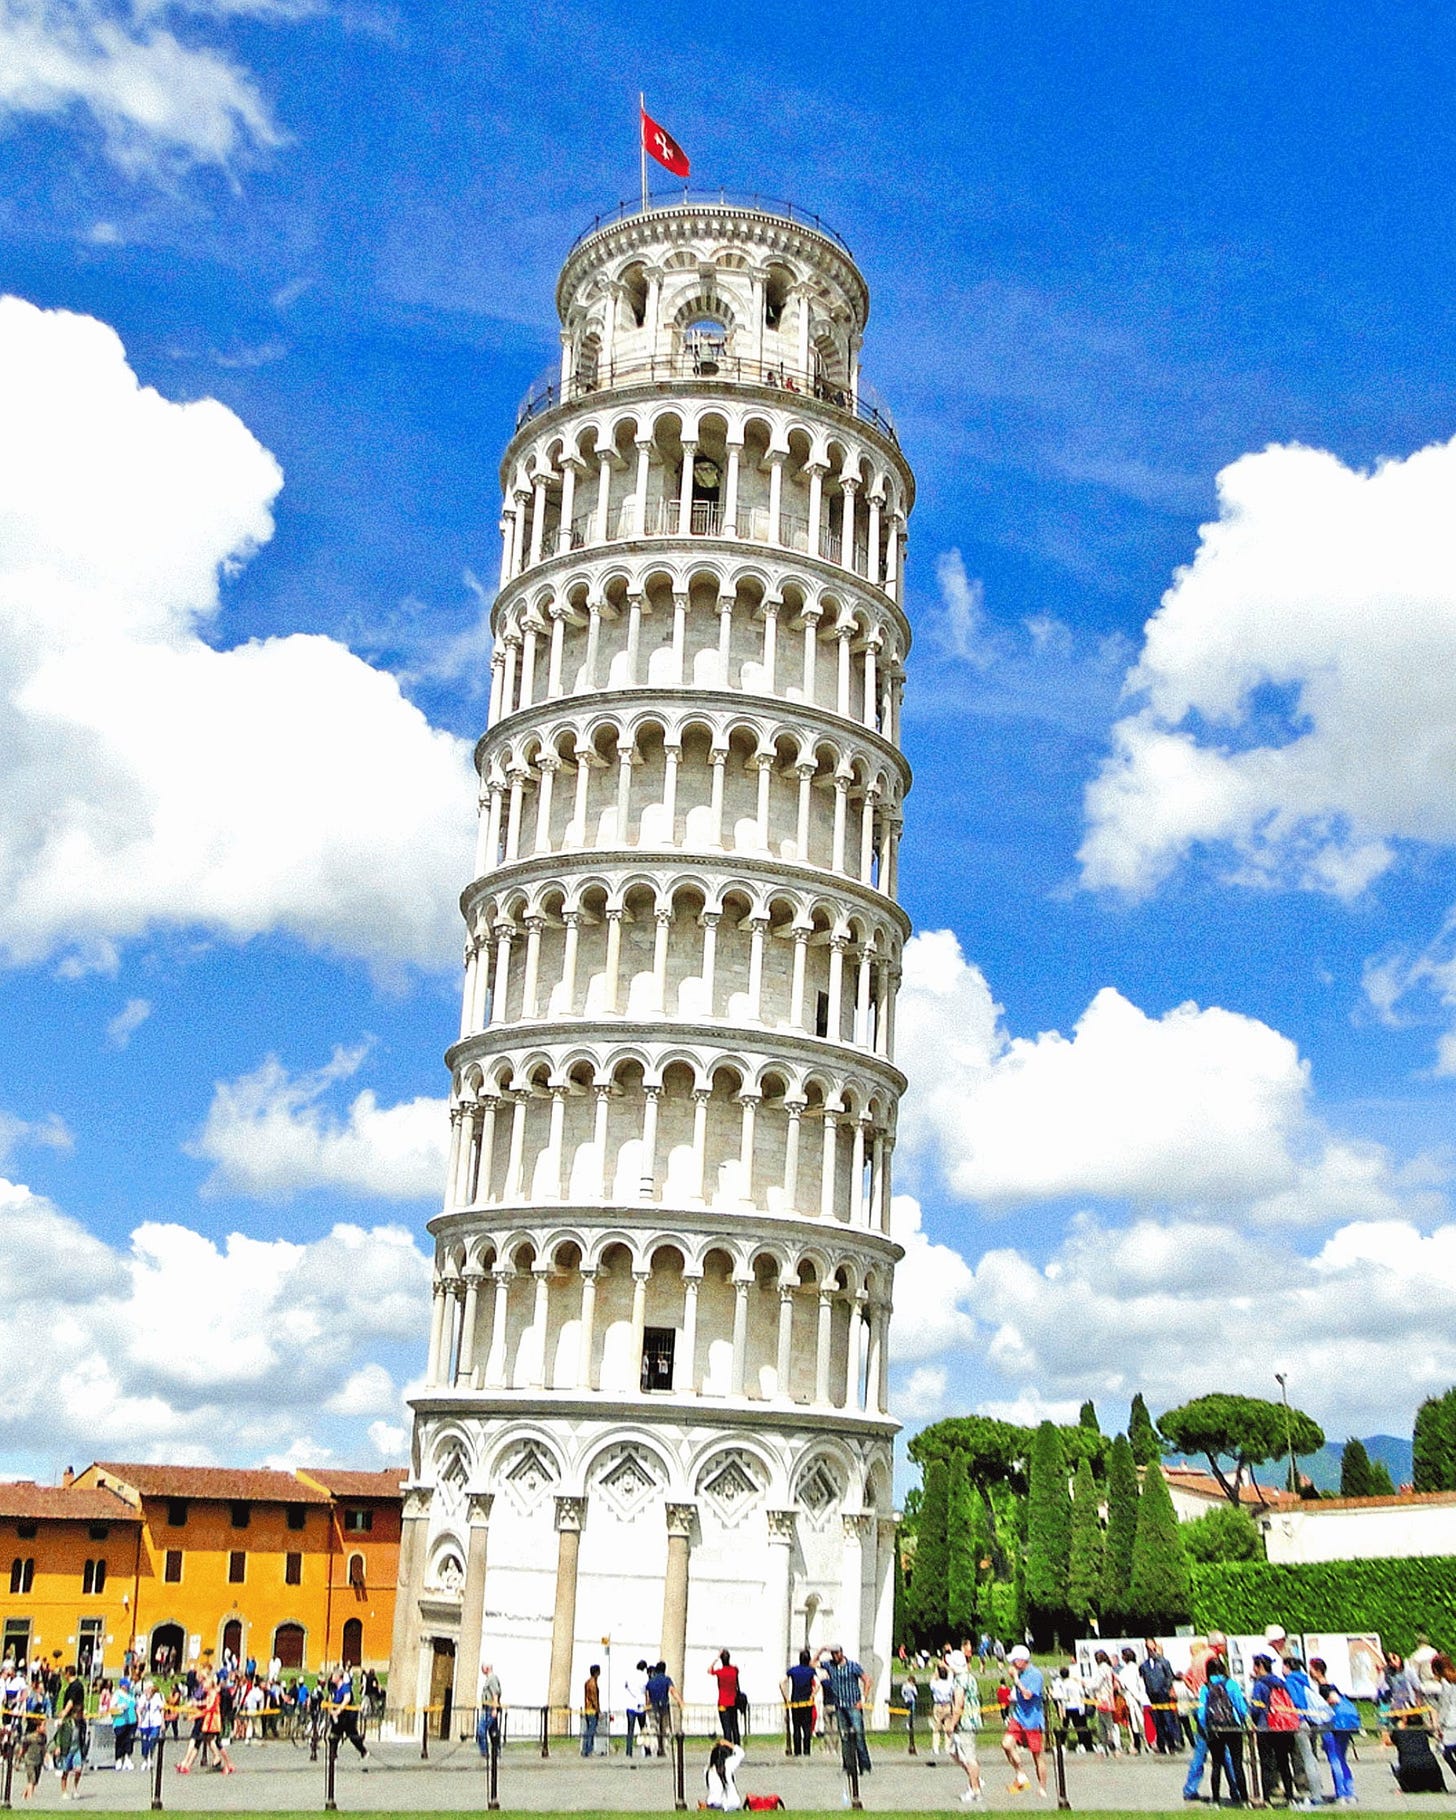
642,143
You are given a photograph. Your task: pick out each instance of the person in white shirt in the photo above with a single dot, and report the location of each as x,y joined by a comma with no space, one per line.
1133,1691
634,1702
721,1778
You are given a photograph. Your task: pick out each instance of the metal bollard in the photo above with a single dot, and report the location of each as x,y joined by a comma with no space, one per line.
11,1741
331,1757
1255,1770
493,1765
545,1731
313,1732
910,1732
157,1771
788,1729
425,1735
679,1774
1063,1799
849,1757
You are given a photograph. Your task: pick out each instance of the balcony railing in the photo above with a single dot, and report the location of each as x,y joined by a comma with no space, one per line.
723,199
695,365
662,518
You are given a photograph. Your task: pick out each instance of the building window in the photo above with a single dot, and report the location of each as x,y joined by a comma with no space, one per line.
356,1570
237,1567
357,1520
821,1014
293,1570
16,1647
172,1567
93,1578
176,1512
27,1531
657,1353
242,1515
98,1532
22,1574
296,1516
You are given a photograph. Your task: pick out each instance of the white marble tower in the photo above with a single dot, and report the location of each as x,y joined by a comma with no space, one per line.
655,1406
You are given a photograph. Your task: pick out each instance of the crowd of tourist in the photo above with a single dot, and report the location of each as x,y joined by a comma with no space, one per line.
49,1714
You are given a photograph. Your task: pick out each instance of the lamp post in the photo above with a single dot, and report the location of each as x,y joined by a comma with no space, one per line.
1281,1379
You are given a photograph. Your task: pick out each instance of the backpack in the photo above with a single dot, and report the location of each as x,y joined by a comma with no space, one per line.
1283,1714
1219,1712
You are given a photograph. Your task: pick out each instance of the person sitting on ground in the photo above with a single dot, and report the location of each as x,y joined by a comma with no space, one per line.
720,1778
1026,1721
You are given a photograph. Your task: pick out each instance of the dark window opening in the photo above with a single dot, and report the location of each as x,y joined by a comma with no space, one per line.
237,1567
242,1515
172,1569
358,1519
658,1344
93,1578
22,1574
16,1647
98,1532
821,1014
27,1531
176,1512
356,1570
293,1570
296,1516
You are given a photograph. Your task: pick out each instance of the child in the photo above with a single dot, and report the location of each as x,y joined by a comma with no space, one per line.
33,1752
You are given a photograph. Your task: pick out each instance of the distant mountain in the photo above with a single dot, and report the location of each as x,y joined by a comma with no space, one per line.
1392,1451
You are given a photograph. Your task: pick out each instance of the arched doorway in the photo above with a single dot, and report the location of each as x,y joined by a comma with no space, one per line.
168,1651
232,1639
288,1645
353,1648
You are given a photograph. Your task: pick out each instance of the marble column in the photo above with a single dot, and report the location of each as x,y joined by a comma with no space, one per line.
570,1514
472,1605
680,1519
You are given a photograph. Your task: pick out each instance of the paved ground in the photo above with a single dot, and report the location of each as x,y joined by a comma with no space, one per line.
276,1778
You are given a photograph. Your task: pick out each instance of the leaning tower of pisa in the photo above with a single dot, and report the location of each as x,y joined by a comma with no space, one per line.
655,1405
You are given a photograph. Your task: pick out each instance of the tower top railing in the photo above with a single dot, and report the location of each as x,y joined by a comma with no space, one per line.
723,199
693,366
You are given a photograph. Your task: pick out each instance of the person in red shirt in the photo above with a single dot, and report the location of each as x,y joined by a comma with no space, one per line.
726,1675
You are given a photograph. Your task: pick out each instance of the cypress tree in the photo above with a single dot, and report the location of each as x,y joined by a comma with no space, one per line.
1087,1416
1433,1445
927,1596
961,1556
1381,1483
1084,1568
1162,1594
1122,1509
1355,1471
1049,1530
1141,1434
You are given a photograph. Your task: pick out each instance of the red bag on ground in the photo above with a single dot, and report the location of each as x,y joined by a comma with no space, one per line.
762,1804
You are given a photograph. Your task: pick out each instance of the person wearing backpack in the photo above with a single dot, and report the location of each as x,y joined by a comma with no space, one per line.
1223,1714
1344,1723
1276,1720
1314,1717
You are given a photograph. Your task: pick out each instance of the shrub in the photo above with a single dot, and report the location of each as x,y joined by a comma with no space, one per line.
1396,1598
1223,1534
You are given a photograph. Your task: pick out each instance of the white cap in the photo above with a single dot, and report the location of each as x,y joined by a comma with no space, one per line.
1021,1653
1275,1630
957,1661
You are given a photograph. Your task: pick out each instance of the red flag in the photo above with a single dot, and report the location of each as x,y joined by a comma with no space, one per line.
658,143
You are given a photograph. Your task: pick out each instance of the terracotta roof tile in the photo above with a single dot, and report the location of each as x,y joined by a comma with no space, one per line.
24,1499
1401,1500
254,1485
344,1483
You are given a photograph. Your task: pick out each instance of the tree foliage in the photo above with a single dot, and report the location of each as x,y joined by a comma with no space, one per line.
965,1523
1358,1475
1223,1534
1162,1594
1122,1508
1087,1417
1237,1434
1397,1598
925,1602
1433,1444
1142,1436
1049,1528
1084,1558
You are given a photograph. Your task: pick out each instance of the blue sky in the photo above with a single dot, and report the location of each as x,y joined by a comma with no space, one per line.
1113,254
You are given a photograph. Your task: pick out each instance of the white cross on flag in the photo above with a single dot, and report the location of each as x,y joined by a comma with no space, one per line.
658,143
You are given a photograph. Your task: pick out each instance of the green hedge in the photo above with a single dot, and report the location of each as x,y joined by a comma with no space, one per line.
1396,1598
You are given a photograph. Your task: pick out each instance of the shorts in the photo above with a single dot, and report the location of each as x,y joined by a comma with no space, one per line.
1021,1734
963,1747
70,1764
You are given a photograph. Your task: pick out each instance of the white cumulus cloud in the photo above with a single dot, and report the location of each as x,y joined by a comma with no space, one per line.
1198,1106
124,1026
147,778
50,1132
177,1346
932,1283
1291,705
272,1133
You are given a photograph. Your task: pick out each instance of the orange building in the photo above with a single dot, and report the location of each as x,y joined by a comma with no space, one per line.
183,1563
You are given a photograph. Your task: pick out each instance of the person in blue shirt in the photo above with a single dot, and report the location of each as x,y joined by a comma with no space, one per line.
1026,1721
847,1687
1223,1713
798,1687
